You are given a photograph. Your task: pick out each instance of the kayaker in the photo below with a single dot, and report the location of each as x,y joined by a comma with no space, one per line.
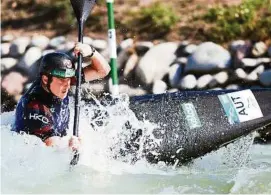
43,110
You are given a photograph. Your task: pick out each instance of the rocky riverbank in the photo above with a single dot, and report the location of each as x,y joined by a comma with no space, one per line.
144,67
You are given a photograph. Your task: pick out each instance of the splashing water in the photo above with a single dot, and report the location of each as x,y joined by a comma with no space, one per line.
28,166
107,130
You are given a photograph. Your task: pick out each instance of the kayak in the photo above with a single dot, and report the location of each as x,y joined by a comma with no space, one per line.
194,123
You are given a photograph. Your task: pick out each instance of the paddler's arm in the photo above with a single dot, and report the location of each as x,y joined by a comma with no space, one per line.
99,67
38,121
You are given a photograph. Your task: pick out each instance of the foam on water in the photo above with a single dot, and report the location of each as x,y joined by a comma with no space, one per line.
27,165
26,161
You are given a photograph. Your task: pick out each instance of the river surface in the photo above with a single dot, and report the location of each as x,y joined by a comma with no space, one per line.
28,166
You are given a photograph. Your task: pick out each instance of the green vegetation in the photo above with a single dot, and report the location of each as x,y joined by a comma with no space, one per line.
65,8
161,19
251,19
157,17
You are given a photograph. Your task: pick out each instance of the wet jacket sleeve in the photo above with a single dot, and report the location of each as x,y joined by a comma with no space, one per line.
38,120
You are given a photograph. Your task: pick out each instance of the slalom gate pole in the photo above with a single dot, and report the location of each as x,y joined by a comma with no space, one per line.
112,47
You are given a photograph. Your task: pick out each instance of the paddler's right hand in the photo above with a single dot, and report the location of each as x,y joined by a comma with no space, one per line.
74,143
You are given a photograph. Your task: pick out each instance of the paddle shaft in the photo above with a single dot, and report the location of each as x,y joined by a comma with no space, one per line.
78,92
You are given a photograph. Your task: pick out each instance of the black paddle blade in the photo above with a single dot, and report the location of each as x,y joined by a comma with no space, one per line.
75,159
82,8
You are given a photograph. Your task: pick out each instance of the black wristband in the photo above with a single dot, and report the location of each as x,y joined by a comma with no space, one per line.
93,51
87,58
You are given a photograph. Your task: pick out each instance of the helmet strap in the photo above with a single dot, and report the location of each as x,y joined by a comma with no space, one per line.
48,84
50,79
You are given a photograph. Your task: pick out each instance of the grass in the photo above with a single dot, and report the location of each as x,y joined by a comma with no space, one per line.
249,20
156,20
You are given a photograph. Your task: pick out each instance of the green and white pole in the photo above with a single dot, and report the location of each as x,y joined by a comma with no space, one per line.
112,47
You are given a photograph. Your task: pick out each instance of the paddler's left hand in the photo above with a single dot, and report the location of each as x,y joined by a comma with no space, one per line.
74,143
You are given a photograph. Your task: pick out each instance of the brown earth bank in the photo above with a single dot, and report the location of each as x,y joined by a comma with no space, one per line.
46,17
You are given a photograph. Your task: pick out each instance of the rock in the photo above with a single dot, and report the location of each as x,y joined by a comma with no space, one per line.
69,45
216,88
31,56
7,38
189,49
240,73
5,47
44,52
142,47
56,41
143,63
155,63
61,48
13,83
265,78
127,43
18,46
254,75
130,65
219,79
175,74
122,59
40,41
233,86
159,86
182,60
7,63
131,91
264,61
207,57
252,62
105,53
249,62
87,40
204,81
259,49
99,44
188,82
64,47
172,90
236,45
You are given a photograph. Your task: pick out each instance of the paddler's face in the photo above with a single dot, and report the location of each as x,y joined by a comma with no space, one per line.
60,86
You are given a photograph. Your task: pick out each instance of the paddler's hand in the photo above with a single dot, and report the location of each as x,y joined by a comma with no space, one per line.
74,143
85,49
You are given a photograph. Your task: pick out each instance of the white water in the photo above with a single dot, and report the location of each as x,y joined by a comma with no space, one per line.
27,166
